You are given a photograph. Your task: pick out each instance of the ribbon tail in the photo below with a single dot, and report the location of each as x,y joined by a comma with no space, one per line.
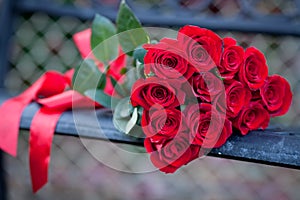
41,134
12,109
9,128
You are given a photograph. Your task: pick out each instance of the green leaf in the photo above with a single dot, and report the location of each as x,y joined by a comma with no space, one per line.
100,97
132,34
132,122
125,118
139,54
114,82
140,71
104,45
88,76
123,70
122,114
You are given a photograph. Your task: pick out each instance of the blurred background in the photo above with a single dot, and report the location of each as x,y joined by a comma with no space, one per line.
41,42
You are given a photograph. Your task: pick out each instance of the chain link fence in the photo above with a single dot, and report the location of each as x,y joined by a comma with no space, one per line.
41,42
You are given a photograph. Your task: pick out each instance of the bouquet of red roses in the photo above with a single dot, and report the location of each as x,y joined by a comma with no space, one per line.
185,95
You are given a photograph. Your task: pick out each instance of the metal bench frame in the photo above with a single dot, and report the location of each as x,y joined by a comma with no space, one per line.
256,147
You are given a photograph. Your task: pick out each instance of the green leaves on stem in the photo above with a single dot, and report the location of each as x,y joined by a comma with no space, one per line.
88,76
103,41
139,54
126,118
100,97
132,34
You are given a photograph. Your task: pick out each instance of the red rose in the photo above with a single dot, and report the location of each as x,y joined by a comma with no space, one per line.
161,123
229,41
203,46
206,86
255,70
169,155
237,96
166,60
251,118
154,90
232,60
276,95
208,127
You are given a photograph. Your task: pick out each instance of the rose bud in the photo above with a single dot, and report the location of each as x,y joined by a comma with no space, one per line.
237,96
169,155
202,46
206,86
162,123
255,70
276,95
232,60
154,90
166,60
252,117
229,41
208,127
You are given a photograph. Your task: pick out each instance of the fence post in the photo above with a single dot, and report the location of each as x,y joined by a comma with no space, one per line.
6,24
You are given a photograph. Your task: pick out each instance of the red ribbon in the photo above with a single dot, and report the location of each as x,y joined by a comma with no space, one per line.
11,110
42,130
41,133
48,91
54,102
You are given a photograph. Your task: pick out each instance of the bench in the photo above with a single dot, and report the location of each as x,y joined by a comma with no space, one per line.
277,146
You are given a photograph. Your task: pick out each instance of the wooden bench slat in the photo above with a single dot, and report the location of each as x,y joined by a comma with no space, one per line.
272,146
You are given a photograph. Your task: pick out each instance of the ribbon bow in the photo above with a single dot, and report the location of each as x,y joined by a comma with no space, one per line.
50,91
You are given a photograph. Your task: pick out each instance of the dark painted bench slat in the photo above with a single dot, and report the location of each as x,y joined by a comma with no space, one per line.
272,146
